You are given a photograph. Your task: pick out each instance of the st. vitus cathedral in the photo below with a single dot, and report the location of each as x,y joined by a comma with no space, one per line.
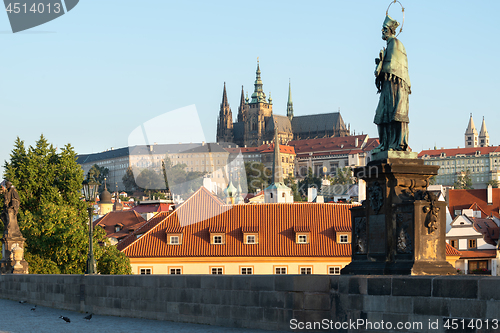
256,121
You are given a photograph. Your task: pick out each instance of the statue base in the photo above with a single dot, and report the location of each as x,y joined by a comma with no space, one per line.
8,263
400,229
394,154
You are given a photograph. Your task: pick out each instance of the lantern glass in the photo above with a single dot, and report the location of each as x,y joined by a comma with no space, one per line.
90,187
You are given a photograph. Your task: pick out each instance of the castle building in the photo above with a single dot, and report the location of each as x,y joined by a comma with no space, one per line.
478,157
256,122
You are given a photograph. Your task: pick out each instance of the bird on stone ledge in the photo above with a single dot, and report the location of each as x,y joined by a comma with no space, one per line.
88,317
22,302
66,319
33,308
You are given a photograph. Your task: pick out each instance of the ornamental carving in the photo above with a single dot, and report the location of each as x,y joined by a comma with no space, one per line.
376,197
432,211
404,219
360,234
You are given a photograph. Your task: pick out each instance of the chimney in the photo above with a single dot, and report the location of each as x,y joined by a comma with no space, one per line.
356,142
489,195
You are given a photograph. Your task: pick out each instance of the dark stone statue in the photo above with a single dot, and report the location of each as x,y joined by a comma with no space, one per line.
393,84
10,210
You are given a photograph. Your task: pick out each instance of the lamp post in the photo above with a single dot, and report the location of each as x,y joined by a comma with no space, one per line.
90,187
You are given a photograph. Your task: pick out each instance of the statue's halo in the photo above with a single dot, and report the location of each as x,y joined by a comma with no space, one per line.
402,9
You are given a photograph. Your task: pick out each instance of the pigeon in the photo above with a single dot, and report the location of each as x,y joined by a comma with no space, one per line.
66,319
88,317
33,308
22,302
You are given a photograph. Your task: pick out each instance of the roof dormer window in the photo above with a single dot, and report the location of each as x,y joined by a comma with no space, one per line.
217,235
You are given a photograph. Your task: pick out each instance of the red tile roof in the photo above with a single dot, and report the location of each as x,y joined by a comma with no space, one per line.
127,220
329,145
276,223
152,208
476,254
451,251
152,222
475,199
457,151
488,228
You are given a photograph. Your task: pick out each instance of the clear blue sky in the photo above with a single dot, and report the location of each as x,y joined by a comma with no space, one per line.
93,75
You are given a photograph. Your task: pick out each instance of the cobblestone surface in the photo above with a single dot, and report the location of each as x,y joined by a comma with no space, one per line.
18,318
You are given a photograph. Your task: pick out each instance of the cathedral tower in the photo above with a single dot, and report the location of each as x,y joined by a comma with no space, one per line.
471,134
225,121
484,137
259,111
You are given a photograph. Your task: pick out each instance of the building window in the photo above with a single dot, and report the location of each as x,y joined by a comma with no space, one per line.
343,239
250,239
334,270
176,271
146,271
302,239
454,243
246,270
305,270
217,239
472,243
217,270
280,270
174,240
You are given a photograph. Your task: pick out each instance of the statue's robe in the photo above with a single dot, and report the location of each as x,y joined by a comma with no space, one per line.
393,80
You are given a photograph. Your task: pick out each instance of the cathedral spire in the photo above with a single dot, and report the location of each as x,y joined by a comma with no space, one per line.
225,120
241,109
224,103
484,137
471,135
258,94
289,104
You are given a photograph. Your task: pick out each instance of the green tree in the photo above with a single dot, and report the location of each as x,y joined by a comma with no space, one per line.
150,180
493,183
291,182
99,174
309,181
258,176
52,217
464,181
344,176
128,180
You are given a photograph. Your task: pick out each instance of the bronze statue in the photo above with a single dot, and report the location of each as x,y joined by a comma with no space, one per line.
10,210
393,84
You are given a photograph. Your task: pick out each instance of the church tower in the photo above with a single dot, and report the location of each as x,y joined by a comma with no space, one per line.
471,134
225,121
259,111
243,108
289,104
484,137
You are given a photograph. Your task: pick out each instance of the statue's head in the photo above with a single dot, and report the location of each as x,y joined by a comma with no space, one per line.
8,184
389,27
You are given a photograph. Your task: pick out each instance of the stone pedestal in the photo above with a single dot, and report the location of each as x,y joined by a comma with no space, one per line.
400,228
12,262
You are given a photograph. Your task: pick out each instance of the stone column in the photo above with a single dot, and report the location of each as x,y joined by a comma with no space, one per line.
400,227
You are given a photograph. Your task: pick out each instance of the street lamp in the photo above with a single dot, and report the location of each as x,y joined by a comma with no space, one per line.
90,187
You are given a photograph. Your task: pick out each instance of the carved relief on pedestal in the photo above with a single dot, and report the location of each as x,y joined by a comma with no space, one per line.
360,235
404,221
375,194
432,211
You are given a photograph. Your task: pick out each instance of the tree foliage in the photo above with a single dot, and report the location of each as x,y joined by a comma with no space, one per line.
52,217
309,181
99,174
258,176
344,176
464,181
493,183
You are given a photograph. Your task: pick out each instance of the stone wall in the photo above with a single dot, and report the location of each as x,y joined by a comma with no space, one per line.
273,302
